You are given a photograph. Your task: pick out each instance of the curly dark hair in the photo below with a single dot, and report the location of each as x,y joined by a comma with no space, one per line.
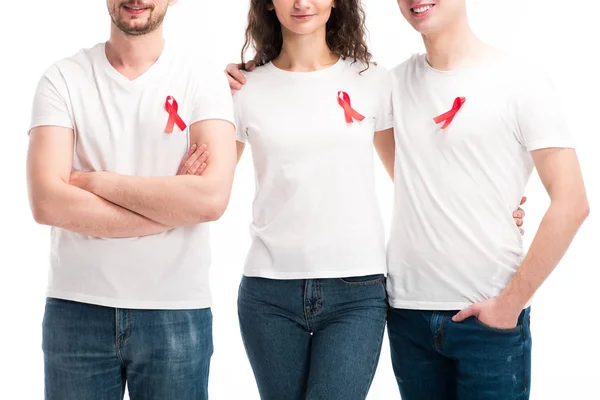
346,32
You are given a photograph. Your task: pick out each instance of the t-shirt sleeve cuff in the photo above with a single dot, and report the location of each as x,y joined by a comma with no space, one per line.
241,136
551,143
216,115
384,125
50,121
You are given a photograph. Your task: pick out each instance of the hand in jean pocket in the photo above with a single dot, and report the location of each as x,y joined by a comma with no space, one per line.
493,313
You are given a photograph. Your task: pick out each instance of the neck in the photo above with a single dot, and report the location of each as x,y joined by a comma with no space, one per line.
136,53
454,47
304,53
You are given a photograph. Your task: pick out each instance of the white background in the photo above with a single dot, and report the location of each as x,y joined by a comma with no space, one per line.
563,34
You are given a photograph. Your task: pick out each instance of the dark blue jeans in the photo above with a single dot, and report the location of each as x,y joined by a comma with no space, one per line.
90,352
316,339
437,359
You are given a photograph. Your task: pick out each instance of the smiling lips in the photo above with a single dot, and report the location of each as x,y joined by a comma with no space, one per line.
422,9
136,10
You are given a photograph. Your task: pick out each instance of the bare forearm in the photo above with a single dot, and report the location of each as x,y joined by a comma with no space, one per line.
171,200
385,144
555,234
79,211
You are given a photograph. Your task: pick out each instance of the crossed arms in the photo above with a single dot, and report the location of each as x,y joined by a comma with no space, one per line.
106,204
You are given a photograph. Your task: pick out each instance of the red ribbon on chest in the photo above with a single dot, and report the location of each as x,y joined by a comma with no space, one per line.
171,106
447,117
349,112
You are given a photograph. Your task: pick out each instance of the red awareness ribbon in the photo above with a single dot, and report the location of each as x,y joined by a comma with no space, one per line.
349,112
449,116
171,106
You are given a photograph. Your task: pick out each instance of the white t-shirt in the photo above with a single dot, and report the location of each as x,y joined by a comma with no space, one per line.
315,211
119,126
453,240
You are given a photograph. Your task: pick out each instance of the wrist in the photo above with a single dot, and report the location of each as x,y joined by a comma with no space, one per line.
93,180
512,302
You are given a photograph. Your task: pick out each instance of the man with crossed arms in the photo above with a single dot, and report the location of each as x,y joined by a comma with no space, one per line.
128,291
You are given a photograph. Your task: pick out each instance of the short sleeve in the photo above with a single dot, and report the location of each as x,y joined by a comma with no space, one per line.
541,122
384,118
212,99
50,102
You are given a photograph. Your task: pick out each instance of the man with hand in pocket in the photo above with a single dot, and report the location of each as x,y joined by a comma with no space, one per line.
470,124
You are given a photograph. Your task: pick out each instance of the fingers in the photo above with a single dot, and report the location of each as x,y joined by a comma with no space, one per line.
194,168
189,153
523,200
198,166
518,221
466,313
234,72
189,160
519,213
192,159
250,66
234,85
201,160
201,169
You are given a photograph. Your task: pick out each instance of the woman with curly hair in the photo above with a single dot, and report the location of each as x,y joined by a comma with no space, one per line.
312,301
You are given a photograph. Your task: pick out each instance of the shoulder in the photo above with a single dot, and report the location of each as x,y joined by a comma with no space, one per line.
75,65
259,80
526,77
408,66
259,75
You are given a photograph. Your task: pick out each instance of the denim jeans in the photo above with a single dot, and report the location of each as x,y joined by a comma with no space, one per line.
315,339
435,358
90,352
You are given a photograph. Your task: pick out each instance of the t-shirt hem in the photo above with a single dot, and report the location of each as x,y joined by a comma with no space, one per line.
432,306
257,273
129,303
426,305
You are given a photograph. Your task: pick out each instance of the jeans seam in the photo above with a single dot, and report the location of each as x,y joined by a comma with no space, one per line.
432,329
319,303
516,329
305,309
372,282
442,334
128,332
523,355
117,342
376,357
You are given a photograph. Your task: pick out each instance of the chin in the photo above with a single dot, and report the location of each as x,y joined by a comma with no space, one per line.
424,28
305,28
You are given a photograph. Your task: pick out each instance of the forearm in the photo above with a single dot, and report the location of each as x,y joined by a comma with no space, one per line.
556,232
170,200
76,210
385,144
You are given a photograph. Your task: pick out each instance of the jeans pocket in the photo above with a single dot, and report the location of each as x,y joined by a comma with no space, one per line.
516,329
367,280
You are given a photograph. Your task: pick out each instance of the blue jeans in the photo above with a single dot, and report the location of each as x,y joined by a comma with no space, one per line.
437,359
313,339
90,352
